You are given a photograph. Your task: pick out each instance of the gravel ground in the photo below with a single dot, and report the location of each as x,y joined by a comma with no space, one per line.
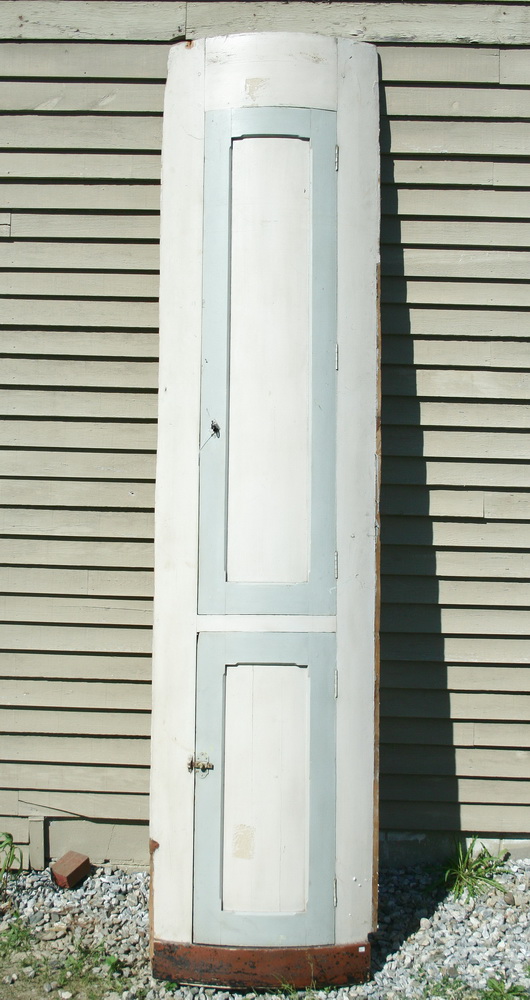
424,942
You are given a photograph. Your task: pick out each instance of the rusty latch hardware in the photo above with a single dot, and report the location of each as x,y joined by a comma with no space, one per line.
200,763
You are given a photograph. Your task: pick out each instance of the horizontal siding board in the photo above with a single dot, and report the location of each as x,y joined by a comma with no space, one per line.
68,694
513,67
80,284
418,321
423,531
81,60
445,732
445,137
75,750
424,413
418,560
451,649
472,354
80,166
67,434
494,820
17,826
428,201
434,263
79,464
48,666
76,226
467,762
455,292
441,172
446,473
493,385
507,505
412,500
49,402
83,256
76,638
77,611
78,197
93,806
479,593
77,582
455,621
100,20
456,444
104,344
445,789
97,132
417,64
59,493
45,97
67,312
120,374
460,24
483,677
455,102
52,720
454,232
456,705
67,552
76,777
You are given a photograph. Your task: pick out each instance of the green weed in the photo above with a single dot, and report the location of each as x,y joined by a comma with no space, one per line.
10,857
470,872
498,989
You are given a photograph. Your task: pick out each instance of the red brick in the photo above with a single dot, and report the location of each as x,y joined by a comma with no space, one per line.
70,869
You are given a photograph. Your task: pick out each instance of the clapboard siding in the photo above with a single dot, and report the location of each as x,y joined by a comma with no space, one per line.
80,159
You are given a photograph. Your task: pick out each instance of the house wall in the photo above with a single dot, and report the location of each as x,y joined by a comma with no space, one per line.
82,88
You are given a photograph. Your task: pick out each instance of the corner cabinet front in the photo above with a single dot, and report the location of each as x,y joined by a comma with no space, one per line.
264,676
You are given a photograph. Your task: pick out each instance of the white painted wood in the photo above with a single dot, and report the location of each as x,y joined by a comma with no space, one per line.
266,790
176,521
266,79
266,623
487,23
106,21
358,226
269,452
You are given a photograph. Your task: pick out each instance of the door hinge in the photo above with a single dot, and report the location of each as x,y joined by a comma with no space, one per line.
334,892
336,563
336,157
336,686
336,357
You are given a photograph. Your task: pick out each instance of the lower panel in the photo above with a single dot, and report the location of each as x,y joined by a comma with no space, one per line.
244,968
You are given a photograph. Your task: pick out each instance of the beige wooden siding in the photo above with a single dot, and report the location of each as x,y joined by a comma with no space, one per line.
79,263
79,199
455,699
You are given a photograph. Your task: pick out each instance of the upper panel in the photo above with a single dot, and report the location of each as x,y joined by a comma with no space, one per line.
267,447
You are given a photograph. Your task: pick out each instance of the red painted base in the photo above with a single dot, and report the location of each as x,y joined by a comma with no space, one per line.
243,968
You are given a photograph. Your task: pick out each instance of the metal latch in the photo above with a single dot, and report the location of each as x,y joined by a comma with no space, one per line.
200,763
